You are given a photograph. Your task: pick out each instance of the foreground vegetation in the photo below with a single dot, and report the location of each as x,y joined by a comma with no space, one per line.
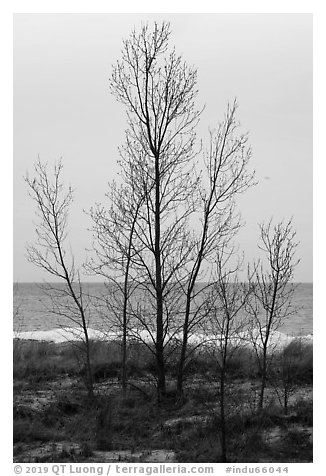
55,420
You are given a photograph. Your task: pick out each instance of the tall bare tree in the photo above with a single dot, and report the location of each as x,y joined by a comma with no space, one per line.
159,90
271,291
226,176
49,250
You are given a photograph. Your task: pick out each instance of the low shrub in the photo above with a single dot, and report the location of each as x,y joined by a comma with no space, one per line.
43,360
303,412
294,364
104,426
25,430
105,370
242,363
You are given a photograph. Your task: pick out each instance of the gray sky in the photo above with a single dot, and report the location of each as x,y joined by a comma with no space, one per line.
63,108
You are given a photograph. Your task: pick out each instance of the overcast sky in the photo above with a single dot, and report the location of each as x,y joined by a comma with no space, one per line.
63,108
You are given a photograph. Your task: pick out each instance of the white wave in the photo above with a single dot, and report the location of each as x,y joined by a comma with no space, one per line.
276,340
64,334
59,335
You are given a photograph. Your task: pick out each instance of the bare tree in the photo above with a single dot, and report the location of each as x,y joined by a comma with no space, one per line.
159,90
49,253
114,247
271,292
227,175
226,302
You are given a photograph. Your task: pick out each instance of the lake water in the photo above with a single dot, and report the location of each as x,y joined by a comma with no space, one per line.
32,310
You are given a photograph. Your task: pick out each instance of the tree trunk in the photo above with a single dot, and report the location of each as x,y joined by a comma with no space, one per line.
263,380
161,389
160,365
181,367
125,304
89,376
222,417
183,354
124,361
124,336
161,385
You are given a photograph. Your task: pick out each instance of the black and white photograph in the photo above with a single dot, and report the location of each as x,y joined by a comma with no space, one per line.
163,238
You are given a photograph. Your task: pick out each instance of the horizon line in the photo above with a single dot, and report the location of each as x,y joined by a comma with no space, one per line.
104,282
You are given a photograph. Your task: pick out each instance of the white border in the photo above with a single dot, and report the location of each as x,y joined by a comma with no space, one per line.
319,177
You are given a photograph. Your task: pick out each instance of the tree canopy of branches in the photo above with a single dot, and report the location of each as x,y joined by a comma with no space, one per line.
226,176
49,253
114,231
167,220
271,290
